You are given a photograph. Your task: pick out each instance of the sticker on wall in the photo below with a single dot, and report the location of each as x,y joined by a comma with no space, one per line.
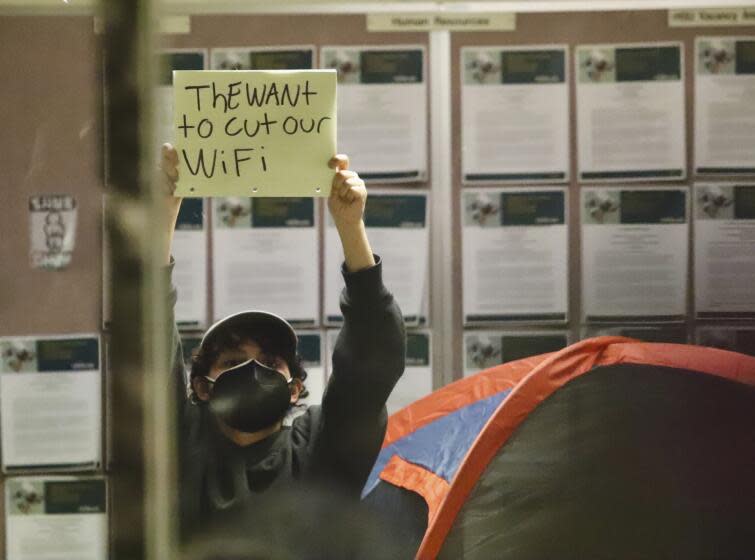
52,221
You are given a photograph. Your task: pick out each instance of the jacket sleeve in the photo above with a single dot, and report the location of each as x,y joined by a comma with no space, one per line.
368,360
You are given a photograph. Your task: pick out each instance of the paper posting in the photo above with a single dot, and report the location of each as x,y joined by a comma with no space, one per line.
733,338
169,60
486,349
52,230
56,517
724,251
190,272
263,58
514,254
417,380
397,226
515,114
634,253
266,256
255,132
724,116
312,351
630,112
382,110
675,334
50,402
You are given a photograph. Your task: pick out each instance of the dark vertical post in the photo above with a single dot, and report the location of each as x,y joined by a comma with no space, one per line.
142,481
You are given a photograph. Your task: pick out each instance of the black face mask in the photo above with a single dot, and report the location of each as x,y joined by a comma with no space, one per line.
250,396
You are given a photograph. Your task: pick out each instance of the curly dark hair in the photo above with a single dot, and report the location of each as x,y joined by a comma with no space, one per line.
205,356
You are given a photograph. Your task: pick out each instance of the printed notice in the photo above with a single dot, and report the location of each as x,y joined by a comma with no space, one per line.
734,338
276,58
515,114
190,271
417,379
262,133
487,349
382,110
724,98
50,403
634,254
675,334
514,254
169,60
630,112
56,518
397,226
266,256
312,351
725,251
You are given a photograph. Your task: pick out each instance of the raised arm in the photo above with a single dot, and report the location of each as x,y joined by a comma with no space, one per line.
368,357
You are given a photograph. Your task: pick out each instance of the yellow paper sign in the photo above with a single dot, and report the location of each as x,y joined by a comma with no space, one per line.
254,132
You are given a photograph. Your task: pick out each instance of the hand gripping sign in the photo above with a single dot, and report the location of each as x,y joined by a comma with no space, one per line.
255,132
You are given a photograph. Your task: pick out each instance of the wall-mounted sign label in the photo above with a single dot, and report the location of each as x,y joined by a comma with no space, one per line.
709,17
515,255
630,112
397,224
724,118
724,255
52,226
382,110
51,403
55,517
634,254
515,114
265,256
441,22
487,349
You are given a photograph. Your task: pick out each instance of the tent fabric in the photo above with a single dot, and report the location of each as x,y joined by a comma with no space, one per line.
419,480
628,461
519,387
441,445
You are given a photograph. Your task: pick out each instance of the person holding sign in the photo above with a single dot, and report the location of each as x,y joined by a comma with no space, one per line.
246,374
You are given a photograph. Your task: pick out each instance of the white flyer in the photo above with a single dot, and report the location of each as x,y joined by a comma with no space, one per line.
486,349
724,98
417,379
724,250
189,250
514,255
630,112
634,253
672,333
382,109
56,518
727,337
51,402
515,114
169,60
398,230
262,58
266,257
311,349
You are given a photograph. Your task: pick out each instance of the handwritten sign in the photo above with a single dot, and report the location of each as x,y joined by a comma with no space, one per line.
255,132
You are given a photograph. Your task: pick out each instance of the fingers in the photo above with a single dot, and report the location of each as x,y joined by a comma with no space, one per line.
169,162
339,161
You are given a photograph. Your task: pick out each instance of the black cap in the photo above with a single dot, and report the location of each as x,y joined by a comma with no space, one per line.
247,323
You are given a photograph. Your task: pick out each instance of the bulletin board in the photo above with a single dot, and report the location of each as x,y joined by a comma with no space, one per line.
52,138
